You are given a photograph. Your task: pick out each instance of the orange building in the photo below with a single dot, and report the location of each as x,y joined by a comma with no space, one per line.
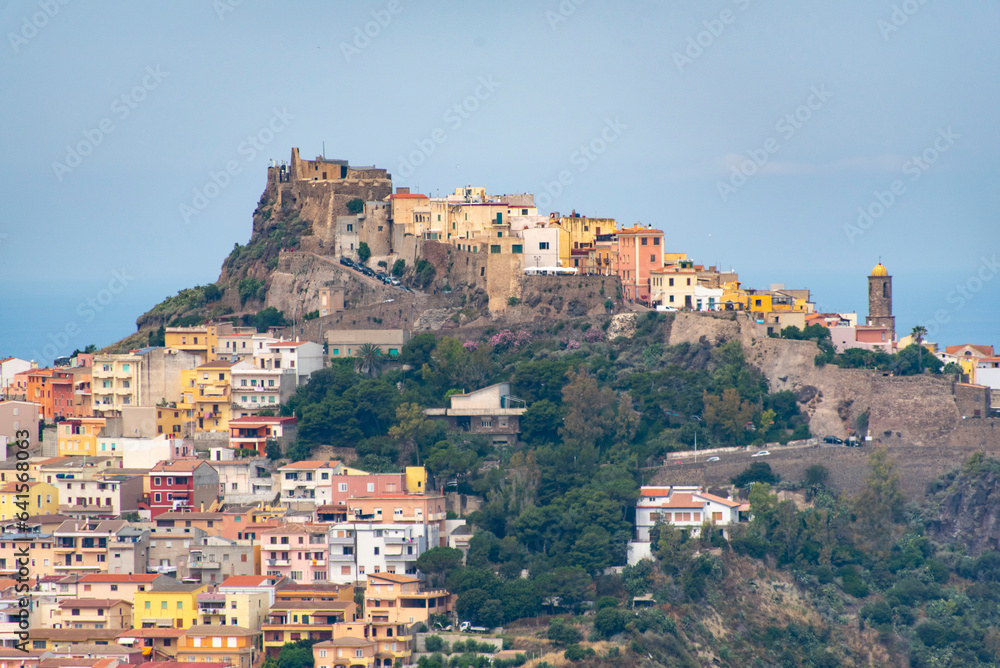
52,389
639,252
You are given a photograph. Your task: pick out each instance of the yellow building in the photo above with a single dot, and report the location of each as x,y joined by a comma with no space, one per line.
167,605
208,391
416,479
176,419
230,645
33,498
393,604
115,383
93,613
9,471
289,621
348,652
580,234
78,436
201,340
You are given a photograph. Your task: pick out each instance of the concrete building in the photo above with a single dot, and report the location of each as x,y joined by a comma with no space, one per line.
331,300
686,507
541,246
16,416
492,410
181,484
393,605
208,391
99,546
295,551
359,549
106,496
245,480
33,497
640,253
168,604
230,646
257,389
213,559
344,487
9,368
142,377
253,432
145,453
307,484
92,613
344,343
303,358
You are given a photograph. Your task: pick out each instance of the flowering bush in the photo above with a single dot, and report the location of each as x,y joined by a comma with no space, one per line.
508,340
569,344
593,335
471,345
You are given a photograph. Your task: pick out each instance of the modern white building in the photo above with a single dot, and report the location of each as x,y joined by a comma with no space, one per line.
254,389
686,507
307,484
541,246
144,453
304,358
358,549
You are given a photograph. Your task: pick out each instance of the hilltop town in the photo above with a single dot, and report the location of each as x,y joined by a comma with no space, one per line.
401,426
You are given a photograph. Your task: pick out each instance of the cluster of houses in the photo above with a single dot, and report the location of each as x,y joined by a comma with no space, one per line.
117,574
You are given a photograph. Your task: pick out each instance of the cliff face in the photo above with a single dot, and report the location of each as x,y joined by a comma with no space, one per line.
965,506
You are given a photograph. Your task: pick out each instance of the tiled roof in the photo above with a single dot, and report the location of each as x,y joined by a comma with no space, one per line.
392,577
310,464
91,602
248,581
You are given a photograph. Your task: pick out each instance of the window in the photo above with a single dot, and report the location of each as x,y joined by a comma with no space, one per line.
645,241
543,245
495,249
516,248
371,487
342,487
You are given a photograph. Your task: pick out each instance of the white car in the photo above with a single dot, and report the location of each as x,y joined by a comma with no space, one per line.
761,453
712,459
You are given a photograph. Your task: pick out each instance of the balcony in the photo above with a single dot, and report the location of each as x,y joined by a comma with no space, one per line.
211,565
211,611
279,562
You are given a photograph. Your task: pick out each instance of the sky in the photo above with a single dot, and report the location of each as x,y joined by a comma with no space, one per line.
795,142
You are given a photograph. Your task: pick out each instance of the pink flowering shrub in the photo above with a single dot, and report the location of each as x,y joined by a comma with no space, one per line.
509,340
593,335
471,345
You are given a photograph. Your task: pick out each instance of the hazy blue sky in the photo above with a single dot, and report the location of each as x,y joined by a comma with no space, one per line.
824,105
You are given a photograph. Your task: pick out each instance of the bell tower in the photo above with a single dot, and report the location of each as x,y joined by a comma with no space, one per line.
880,300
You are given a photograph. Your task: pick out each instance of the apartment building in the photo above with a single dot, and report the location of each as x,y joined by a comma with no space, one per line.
295,551
253,432
106,496
231,646
393,604
34,498
359,549
99,546
169,604
307,483
92,613
181,484
492,411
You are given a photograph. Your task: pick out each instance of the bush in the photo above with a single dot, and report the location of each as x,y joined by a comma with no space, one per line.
756,472
513,301
611,621
434,643
355,206
563,634
398,267
364,252
577,653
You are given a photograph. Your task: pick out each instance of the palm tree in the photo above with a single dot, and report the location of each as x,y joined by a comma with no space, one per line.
370,360
918,334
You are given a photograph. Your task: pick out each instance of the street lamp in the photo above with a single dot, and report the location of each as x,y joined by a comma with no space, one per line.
695,417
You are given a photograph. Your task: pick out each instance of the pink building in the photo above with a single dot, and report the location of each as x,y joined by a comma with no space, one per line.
296,551
867,337
352,486
640,252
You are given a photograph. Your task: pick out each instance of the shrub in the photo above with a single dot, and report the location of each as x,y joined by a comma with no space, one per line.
563,634
355,206
577,653
364,252
398,267
434,643
513,301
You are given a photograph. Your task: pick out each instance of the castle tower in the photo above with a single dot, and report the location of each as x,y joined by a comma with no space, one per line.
880,300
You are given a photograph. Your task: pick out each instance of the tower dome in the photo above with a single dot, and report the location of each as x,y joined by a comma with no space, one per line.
879,270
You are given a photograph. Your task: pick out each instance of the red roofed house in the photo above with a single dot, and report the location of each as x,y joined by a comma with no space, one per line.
686,507
181,484
253,433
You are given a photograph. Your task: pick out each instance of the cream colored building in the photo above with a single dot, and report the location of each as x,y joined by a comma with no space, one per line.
343,343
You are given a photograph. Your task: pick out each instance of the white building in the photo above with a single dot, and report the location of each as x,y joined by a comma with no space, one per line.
686,507
707,299
254,389
308,483
357,549
303,357
8,367
242,481
541,246
244,346
144,453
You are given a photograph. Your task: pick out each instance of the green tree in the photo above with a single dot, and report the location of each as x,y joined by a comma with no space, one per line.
158,337
272,450
437,562
879,507
269,317
369,360
756,472
411,427
398,267
355,206
212,292
727,415
364,252
918,333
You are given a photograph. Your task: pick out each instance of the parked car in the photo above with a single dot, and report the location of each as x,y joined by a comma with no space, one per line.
380,276
394,281
761,453
712,459
832,439
368,271
346,261
853,442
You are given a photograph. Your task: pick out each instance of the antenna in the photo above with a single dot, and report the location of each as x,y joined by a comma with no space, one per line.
324,150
